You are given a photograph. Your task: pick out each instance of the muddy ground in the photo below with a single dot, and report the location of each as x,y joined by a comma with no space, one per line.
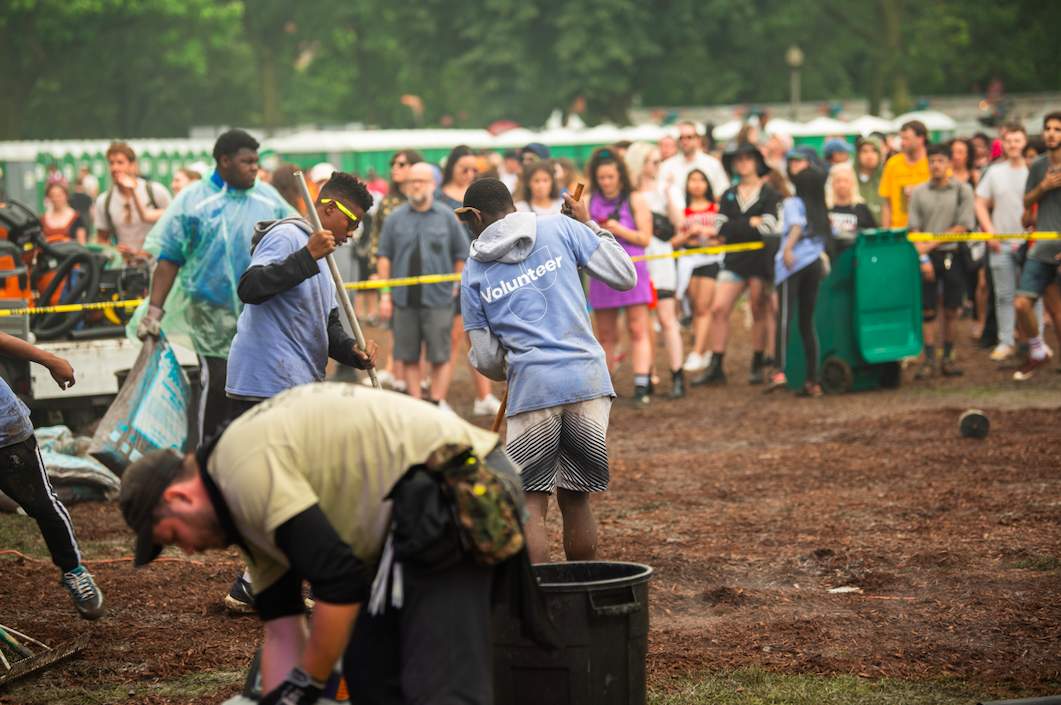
749,509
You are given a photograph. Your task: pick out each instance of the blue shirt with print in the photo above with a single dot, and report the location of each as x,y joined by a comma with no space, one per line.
537,308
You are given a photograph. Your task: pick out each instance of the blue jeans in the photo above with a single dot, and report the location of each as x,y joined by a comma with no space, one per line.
1006,275
1036,277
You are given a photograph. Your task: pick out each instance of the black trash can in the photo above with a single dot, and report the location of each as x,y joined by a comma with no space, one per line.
601,612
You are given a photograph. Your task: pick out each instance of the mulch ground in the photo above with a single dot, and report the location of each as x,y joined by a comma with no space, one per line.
749,509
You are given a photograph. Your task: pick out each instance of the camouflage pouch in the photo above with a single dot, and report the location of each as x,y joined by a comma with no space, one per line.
487,511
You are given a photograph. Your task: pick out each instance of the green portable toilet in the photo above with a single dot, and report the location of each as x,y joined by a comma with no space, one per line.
868,316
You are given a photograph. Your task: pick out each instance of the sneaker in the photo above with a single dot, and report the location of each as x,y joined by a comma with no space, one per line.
949,367
449,409
927,370
641,397
487,407
1004,351
811,390
240,597
87,597
1032,365
777,381
399,385
696,362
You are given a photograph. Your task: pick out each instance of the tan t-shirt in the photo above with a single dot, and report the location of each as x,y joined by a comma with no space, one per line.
341,446
125,225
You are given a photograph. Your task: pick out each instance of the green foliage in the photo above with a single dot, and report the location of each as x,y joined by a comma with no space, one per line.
753,686
102,68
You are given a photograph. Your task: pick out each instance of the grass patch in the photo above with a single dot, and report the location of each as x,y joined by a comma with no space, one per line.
21,533
753,686
57,690
1040,563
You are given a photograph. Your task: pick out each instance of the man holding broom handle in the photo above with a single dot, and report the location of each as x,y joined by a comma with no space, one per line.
525,311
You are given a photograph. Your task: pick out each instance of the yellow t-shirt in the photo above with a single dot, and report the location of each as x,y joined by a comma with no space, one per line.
897,184
341,446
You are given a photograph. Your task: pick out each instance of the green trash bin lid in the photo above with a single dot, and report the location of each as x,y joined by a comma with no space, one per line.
887,296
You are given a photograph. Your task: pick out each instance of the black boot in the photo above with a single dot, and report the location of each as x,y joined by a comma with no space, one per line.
713,374
641,396
677,389
756,377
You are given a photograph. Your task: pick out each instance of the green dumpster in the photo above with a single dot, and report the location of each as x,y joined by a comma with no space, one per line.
868,316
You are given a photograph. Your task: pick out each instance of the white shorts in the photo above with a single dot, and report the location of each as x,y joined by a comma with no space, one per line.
562,446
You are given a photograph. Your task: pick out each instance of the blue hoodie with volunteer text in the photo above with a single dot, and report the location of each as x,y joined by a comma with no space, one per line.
522,284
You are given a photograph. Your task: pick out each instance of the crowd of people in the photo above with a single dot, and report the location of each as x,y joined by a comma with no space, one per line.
298,474
663,198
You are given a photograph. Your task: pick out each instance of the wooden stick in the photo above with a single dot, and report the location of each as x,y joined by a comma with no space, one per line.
501,411
577,195
340,290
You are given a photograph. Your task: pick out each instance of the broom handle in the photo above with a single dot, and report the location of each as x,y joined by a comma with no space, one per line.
340,290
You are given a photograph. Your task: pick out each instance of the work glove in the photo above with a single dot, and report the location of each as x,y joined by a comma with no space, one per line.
150,324
298,688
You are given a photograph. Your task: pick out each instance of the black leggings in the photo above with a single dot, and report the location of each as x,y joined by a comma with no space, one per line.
24,479
800,287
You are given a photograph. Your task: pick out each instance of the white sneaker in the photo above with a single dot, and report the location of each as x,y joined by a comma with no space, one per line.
399,385
386,379
487,407
446,407
696,362
1003,352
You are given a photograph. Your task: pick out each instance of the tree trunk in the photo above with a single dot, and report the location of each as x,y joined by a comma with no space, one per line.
876,85
272,111
24,68
268,75
892,16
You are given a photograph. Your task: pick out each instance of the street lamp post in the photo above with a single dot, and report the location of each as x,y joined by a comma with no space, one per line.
794,59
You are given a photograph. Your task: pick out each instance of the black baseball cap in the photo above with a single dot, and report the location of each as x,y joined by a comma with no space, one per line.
143,483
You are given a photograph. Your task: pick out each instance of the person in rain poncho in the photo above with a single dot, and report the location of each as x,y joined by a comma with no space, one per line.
203,245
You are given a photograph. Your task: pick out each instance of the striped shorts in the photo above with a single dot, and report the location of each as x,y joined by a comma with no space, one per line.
562,446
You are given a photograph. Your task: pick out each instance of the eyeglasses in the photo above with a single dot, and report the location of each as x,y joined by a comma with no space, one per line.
688,137
396,163
341,207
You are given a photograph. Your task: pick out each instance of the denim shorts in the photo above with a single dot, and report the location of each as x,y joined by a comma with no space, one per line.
729,276
1035,277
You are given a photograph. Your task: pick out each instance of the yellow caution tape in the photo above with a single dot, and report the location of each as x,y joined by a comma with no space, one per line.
440,278
963,237
72,308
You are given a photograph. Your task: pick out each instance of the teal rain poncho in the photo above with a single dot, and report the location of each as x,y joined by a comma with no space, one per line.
207,230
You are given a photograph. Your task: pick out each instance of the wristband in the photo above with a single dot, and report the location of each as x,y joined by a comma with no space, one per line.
384,290
925,259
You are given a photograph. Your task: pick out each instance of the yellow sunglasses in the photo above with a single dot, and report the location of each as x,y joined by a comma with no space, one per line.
340,206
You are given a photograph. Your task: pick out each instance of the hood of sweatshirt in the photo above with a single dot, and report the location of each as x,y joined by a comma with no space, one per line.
264,226
876,144
509,240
